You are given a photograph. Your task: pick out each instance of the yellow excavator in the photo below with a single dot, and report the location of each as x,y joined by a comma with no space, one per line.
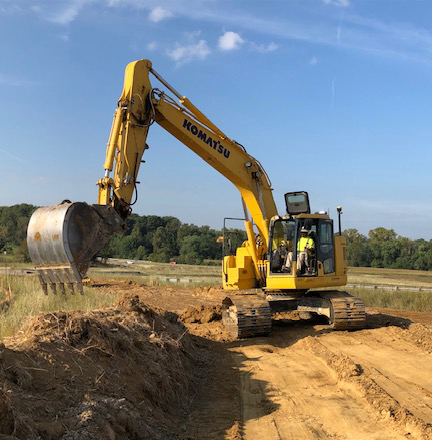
288,262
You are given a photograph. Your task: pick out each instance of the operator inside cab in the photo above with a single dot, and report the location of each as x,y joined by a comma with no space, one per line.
305,251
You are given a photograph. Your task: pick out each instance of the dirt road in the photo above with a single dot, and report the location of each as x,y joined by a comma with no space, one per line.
306,381
310,383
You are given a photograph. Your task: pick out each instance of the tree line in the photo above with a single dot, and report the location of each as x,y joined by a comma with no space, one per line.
384,248
164,239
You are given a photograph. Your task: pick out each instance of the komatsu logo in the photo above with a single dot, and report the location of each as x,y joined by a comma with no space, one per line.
212,143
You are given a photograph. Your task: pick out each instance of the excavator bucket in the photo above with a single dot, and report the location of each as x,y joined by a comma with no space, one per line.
62,239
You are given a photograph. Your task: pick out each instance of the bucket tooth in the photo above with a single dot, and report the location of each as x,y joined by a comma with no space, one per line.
62,288
44,287
80,288
71,288
53,288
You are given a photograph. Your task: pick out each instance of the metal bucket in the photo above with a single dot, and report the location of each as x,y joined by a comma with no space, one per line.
62,239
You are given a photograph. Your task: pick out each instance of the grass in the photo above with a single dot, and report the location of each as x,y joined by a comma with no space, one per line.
390,277
27,299
151,268
403,300
158,281
155,274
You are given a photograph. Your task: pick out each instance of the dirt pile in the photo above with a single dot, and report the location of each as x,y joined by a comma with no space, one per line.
205,321
119,373
417,334
201,314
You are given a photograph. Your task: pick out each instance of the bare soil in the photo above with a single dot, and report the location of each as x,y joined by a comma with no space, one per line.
161,366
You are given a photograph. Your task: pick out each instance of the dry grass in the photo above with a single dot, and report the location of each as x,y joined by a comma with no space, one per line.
173,281
390,277
395,299
151,268
399,299
156,274
22,297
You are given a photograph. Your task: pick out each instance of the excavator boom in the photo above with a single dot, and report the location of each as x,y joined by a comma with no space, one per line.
62,239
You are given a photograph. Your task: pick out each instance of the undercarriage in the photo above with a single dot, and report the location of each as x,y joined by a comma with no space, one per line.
250,315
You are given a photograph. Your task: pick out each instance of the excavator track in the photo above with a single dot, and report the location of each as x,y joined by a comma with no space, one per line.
246,316
347,312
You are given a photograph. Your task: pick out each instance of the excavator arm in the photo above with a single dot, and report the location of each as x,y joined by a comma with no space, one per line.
63,239
139,106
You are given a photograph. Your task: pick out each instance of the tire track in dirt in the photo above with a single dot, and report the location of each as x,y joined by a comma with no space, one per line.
399,367
369,384
306,400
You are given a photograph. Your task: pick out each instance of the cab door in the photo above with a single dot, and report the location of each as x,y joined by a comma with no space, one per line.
325,248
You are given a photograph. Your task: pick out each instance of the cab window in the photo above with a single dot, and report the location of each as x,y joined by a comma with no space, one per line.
282,243
326,251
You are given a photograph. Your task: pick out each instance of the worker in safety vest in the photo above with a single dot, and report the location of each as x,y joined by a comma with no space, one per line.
305,246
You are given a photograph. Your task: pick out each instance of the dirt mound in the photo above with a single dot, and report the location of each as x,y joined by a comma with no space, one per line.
417,334
119,373
205,322
201,314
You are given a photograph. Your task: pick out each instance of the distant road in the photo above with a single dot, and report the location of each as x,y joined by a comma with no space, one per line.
18,272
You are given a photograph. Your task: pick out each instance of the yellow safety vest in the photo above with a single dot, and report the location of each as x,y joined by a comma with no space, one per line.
305,242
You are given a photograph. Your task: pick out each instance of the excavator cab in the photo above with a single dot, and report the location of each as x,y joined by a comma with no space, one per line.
289,281
285,240
284,246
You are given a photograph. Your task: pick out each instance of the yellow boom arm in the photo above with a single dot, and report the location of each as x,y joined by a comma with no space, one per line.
139,106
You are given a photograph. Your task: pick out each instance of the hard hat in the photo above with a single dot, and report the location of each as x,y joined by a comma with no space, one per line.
303,229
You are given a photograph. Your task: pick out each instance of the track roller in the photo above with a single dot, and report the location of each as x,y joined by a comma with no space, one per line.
347,312
246,316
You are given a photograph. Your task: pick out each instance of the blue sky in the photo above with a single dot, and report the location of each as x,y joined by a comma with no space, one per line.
332,96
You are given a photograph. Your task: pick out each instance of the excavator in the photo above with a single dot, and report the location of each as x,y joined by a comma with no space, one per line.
62,239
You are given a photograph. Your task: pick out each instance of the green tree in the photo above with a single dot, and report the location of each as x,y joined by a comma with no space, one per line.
358,250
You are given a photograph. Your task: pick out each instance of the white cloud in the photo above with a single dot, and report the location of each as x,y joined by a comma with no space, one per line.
230,41
339,3
159,13
152,46
264,48
313,61
401,41
67,15
184,54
